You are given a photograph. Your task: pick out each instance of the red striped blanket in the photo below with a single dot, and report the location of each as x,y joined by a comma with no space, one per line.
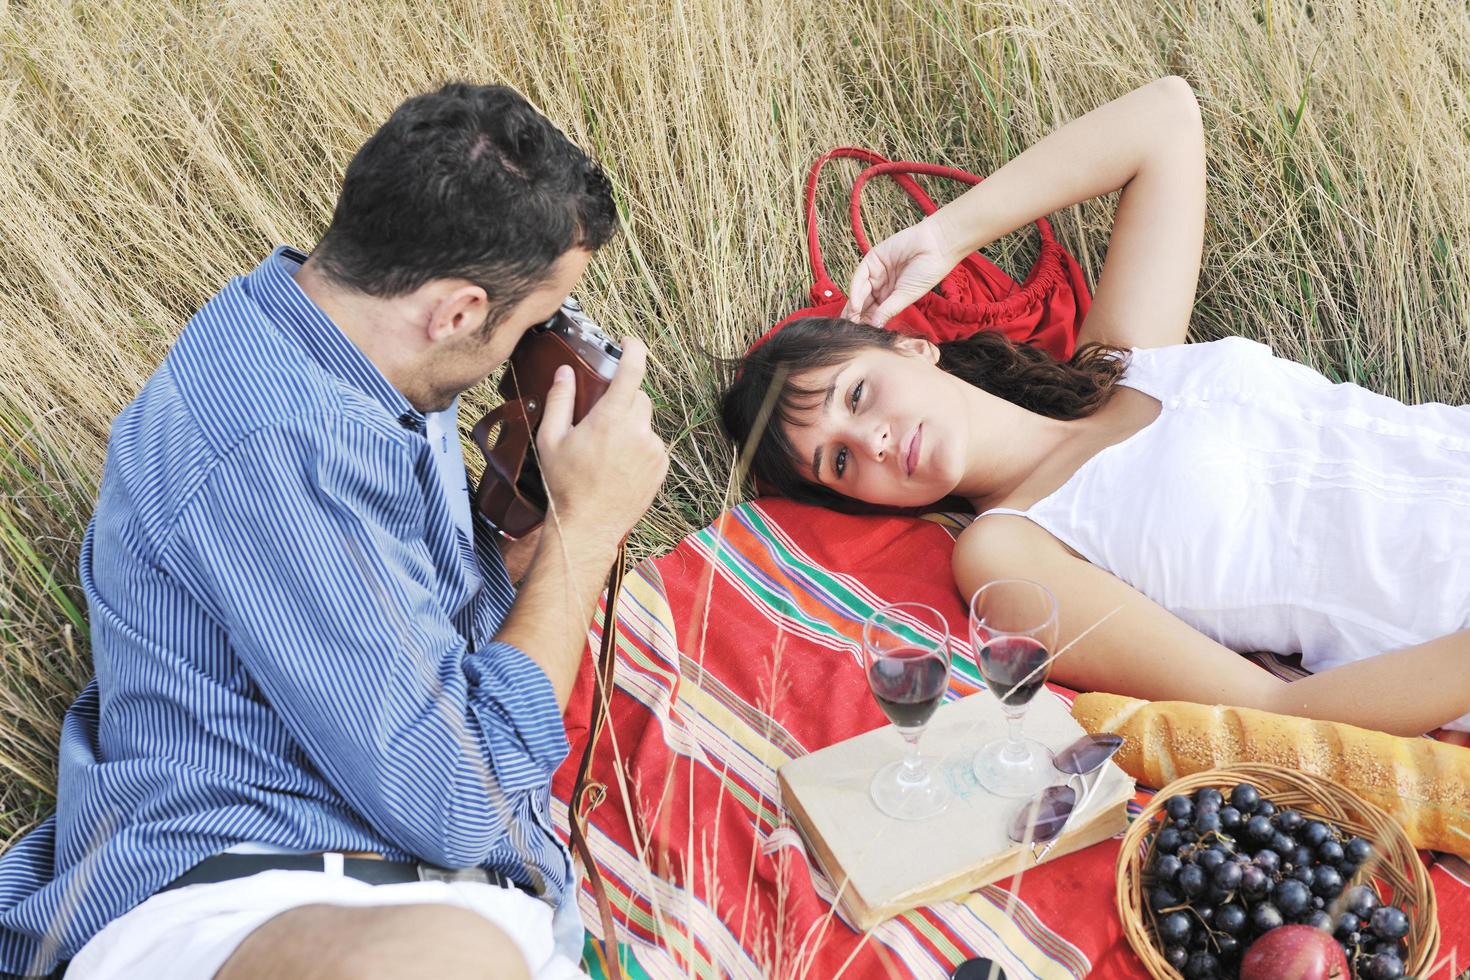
739,650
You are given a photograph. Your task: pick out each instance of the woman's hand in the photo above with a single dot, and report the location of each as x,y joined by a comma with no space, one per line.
899,270
1151,144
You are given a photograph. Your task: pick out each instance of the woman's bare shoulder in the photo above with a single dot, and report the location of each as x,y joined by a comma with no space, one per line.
1004,544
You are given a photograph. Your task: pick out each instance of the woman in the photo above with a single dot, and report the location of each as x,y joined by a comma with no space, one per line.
1182,501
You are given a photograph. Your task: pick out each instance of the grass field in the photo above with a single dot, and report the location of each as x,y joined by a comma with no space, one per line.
149,150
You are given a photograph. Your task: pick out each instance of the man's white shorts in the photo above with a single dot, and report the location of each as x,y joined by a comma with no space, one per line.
188,933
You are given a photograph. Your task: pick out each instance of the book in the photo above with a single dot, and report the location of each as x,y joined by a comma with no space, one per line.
881,866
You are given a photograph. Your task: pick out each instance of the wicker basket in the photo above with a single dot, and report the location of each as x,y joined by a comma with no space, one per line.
1397,873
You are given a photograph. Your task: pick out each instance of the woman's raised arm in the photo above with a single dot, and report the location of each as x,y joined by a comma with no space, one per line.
1125,643
1150,144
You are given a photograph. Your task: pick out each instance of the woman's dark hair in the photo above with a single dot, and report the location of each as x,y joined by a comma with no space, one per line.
469,182
763,400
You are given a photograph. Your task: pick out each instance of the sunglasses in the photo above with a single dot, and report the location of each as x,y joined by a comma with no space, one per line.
977,968
1041,820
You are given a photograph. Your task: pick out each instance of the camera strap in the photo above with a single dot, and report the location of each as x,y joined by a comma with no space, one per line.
587,795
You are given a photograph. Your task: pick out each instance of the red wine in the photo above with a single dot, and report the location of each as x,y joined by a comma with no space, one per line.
908,685
1009,665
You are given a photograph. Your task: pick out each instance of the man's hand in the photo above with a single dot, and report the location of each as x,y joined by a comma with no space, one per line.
517,554
602,473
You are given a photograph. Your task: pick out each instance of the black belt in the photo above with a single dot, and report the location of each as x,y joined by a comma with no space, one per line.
224,867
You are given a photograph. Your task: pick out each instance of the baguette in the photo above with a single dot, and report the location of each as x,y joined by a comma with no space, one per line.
1421,783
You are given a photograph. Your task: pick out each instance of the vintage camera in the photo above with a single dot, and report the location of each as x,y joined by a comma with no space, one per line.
512,494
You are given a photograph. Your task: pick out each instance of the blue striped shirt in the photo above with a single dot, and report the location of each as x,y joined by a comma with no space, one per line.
292,638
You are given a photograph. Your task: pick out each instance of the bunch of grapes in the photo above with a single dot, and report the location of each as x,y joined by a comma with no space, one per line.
1226,871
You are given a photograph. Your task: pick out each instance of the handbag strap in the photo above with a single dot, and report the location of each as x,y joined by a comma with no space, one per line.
587,795
823,288
902,173
1045,274
900,169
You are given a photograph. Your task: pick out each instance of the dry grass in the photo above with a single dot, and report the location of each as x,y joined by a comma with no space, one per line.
150,149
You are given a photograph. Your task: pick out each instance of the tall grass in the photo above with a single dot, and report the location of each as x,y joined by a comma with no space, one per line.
151,149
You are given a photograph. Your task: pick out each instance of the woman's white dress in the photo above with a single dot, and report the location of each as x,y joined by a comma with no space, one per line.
1272,509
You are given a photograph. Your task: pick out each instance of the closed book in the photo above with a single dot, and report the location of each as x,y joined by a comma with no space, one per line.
881,866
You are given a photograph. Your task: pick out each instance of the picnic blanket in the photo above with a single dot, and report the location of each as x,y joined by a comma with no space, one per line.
739,650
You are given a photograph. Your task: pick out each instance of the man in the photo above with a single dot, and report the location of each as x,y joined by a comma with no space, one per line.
315,684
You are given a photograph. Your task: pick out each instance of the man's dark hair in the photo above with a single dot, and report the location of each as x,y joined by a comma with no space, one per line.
469,182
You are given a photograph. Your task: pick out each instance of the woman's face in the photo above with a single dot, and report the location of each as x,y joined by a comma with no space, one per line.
891,430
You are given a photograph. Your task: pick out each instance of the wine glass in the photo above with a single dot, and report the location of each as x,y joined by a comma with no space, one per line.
906,657
1013,624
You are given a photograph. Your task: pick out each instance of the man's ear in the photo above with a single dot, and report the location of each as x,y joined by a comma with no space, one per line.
920,347
457,312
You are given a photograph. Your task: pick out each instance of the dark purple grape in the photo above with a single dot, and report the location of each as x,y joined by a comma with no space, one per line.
1215,895
1265,917
1389,922
1183,823
1382,966
1326,881
1199,939
1358,850
1202,966
1304,875
1268,861
1346,924
1231,820
1302,856
1228,876
1162,898
1259,829
1395,947
1266,808
1314,833
1174,928
1211,859
1166,868
1177,956
1253,882
1192,880
1226,945
1320,920
1348,869
1330,852
1292,897
1169,841
1209,796
1206,913
1288,820
1207,822
1230,919
1244,797
1283,844
1179,808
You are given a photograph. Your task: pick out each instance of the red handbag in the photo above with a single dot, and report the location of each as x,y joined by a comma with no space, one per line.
1046,310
